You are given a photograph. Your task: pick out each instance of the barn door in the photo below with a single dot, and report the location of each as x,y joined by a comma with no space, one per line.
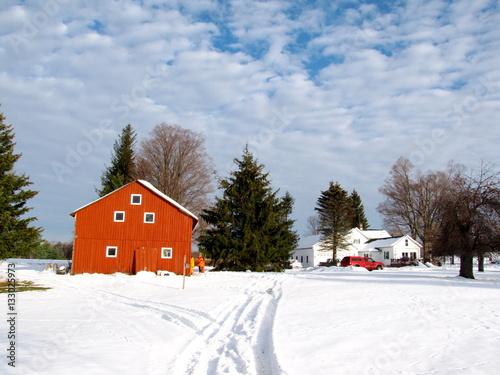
146,259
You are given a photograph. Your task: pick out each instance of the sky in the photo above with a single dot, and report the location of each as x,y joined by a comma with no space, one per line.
319,90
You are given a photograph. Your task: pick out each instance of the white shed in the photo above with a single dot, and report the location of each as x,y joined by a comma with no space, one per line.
309,252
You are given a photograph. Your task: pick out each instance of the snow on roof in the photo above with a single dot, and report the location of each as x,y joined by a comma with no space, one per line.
150,187
308,242
379,233
386,242
167,198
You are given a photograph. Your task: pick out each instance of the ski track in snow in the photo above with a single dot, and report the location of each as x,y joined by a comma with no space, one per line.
229,324
239,339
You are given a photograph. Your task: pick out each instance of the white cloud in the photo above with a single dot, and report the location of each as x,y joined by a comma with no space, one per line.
395,78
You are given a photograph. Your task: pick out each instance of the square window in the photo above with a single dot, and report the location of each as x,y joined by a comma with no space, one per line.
120,216
166,252
111,251
149,217
136,199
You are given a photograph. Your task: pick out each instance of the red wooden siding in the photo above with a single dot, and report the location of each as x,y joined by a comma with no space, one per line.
139,244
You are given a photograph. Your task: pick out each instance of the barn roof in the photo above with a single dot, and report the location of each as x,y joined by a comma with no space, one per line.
154,190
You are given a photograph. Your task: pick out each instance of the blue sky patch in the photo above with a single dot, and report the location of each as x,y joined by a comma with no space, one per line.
98,27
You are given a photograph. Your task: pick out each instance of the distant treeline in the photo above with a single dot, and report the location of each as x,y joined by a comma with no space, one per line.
52,250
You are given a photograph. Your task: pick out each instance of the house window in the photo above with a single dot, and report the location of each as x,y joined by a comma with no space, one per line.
406,242
149,217
136,199
111,251
356,240
166,252
386,255
120,216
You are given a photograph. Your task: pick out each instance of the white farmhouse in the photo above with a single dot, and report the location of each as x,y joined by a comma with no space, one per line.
392,250
357,237
310,251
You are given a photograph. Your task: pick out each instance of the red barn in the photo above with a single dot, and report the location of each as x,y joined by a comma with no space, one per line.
134,228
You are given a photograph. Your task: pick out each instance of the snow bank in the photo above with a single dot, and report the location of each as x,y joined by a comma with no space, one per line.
322,320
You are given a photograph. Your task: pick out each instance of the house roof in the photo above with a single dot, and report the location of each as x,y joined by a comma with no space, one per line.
374,233
386,242
151,188
308,242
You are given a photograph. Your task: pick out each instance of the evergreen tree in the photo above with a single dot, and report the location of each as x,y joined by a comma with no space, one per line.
249,226
17,237
336,213
122,169
359,220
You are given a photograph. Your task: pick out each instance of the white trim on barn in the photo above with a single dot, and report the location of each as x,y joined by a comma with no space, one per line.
150,187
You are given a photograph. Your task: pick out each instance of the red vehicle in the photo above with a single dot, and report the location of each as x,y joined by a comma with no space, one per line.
367,263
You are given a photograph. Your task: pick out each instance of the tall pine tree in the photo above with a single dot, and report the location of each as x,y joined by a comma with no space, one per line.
336,213
17,237
359,221
122,168
249,226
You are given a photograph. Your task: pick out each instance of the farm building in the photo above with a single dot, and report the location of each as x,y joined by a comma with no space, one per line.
377,244
392,251
134,228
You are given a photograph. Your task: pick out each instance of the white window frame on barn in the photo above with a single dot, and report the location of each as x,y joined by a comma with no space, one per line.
132,196
108,248
166,252
123,218
146,216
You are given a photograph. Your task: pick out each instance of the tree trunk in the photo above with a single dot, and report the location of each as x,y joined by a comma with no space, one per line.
466,265
480,266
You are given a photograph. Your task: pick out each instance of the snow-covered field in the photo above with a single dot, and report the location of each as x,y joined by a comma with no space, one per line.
315,321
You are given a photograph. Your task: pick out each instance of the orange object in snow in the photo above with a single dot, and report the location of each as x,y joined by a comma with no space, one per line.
201,263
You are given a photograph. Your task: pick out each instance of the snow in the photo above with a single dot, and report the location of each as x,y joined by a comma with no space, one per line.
308,242
322,320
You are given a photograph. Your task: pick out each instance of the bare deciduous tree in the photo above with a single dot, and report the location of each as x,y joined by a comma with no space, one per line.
412,200
176,162
470,218
313,226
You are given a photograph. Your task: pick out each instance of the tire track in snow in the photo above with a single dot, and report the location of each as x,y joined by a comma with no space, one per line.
140,313
178,315
239,340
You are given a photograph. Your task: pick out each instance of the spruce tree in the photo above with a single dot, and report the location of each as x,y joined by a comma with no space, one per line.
249,227
336,213
122,168
17,237
359,221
